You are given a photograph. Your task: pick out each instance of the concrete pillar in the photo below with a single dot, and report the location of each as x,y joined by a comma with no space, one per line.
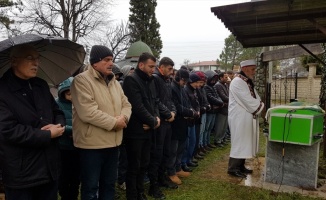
298,167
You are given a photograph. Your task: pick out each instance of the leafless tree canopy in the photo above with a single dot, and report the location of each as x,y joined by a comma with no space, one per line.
116,37
71,19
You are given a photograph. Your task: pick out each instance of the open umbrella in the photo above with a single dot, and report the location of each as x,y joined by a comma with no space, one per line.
60,58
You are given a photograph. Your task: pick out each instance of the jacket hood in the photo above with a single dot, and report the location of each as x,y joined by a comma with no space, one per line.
210,76
64,86
116,70
126,69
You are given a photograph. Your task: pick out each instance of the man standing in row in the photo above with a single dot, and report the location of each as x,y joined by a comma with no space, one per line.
100,112
140,90
160,149
221,119
244,107
30,124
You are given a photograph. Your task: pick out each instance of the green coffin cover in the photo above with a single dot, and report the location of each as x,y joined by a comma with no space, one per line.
301,126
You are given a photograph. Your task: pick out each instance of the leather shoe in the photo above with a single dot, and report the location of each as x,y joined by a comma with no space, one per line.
246,171
191,164
141,196
237,174
198,157
185,168
207,148
219,145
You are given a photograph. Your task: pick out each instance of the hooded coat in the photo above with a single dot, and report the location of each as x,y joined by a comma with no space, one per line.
66,141
212,96
184,110
28,155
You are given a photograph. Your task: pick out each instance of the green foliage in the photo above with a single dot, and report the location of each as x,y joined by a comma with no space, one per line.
322,97
233,53
309,59
144,26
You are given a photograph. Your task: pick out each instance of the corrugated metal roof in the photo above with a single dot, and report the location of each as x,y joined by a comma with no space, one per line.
275,22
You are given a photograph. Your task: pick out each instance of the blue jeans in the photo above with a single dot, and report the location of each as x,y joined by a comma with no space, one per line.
210,121
190,145
202,129
98,173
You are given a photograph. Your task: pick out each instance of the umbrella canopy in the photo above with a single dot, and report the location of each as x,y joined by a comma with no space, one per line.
60,58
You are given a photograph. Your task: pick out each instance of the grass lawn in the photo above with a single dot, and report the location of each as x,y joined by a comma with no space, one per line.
209,181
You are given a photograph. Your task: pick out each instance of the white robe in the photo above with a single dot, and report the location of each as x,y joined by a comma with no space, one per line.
243,127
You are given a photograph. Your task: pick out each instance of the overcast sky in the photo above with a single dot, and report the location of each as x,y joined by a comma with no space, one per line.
189,30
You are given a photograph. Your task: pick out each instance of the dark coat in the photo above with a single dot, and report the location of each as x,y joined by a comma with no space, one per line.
141,93
212,96
29,157
223,91
163,91
184,110
66,141
191,94
203,102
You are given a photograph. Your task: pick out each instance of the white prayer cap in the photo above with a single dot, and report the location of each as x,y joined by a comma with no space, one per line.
248,63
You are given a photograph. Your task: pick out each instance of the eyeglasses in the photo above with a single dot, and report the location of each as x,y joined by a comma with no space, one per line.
31,58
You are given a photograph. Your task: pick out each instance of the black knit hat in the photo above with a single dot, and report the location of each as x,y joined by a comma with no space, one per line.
98,52
193,77
182,74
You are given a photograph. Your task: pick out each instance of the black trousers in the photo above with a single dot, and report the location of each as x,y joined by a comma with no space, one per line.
138,155
160,152
46,191
123,163
236,164
70,175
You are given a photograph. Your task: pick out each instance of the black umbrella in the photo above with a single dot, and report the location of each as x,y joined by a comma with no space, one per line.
60,58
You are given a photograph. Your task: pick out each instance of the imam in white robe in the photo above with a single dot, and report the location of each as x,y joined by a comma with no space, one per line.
243,119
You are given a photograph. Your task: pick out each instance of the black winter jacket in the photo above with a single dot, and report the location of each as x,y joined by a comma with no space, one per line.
141,93
191,94
184,110
163,91
223,91
212,96
29,157
202,99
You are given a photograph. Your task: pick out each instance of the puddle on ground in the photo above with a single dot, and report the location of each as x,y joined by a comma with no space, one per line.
219,171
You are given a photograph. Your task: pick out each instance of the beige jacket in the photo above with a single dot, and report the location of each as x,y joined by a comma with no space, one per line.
95,106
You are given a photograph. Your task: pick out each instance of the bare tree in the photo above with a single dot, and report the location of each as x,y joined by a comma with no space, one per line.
116,37
72,19
118,40
186,62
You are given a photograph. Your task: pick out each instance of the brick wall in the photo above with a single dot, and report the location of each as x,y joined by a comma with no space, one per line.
308,89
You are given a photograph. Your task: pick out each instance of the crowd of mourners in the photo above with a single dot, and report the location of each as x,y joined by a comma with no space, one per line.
117,127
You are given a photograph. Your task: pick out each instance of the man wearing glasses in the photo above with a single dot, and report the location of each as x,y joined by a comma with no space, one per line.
30,122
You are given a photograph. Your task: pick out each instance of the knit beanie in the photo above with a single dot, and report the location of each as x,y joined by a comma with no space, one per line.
98,52
182,74
193,77
201,75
